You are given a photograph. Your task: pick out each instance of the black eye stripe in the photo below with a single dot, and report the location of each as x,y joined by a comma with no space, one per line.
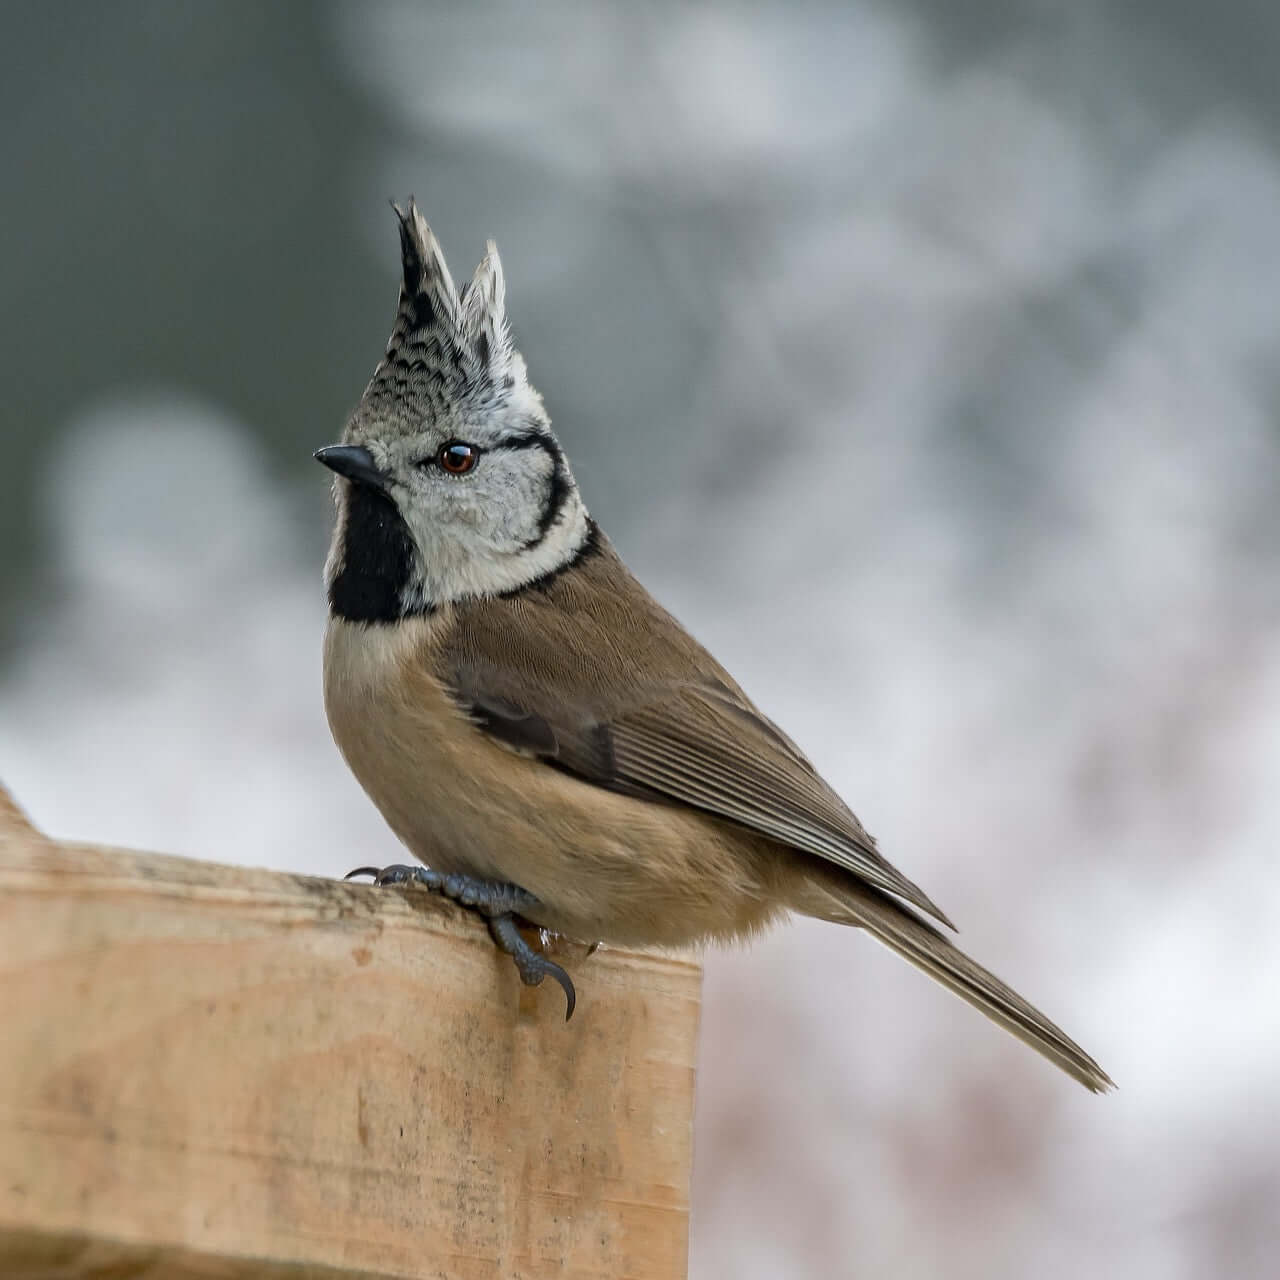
528,440
511,443
557,495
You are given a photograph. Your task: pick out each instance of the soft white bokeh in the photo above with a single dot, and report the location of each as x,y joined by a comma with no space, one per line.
172,700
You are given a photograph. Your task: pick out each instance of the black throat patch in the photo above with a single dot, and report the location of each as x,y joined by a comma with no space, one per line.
377,557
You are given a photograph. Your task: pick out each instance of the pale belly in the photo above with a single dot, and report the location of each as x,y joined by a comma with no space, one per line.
606,866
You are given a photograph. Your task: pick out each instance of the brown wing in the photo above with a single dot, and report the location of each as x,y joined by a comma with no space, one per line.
691,746
546,673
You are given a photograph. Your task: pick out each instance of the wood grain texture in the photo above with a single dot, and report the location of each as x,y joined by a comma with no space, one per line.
219,1072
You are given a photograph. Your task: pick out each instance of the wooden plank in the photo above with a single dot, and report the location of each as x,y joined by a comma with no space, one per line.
213,1071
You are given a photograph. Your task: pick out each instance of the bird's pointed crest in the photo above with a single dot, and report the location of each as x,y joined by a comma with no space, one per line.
484,311
446,347
427,294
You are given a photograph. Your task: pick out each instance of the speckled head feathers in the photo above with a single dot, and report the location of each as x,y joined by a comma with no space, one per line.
447,348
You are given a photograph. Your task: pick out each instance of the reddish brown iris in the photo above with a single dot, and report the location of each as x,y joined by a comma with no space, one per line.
457,458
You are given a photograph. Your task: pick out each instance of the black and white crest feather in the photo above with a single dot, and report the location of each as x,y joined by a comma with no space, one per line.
446,348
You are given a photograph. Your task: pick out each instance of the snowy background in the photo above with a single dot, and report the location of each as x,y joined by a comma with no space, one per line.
921,356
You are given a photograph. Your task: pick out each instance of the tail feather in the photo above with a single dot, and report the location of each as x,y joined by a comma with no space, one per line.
928,949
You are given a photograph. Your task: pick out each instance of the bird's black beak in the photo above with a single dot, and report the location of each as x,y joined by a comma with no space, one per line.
354,463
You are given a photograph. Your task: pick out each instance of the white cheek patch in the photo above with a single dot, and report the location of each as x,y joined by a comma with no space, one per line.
502,503
483,534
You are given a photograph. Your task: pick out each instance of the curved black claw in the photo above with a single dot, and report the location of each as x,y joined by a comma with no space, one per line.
496,902
544,968
400,874
532,965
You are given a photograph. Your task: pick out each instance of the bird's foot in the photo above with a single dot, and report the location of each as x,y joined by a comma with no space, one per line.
488,897
498,903
532,965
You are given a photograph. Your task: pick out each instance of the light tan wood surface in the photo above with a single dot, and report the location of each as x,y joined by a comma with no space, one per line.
219,1072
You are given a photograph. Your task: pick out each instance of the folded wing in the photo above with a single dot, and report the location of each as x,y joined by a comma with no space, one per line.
699,745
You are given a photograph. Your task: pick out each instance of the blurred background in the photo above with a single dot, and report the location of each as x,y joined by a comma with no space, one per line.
920,355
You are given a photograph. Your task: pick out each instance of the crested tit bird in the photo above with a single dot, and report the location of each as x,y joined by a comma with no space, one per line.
533,725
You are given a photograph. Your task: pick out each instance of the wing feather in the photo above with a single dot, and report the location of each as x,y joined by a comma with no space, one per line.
686,747
697,745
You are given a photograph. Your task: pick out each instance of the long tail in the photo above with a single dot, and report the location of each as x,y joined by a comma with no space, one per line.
845,901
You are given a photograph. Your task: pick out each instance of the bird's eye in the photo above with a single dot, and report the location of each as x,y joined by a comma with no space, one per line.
457,458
